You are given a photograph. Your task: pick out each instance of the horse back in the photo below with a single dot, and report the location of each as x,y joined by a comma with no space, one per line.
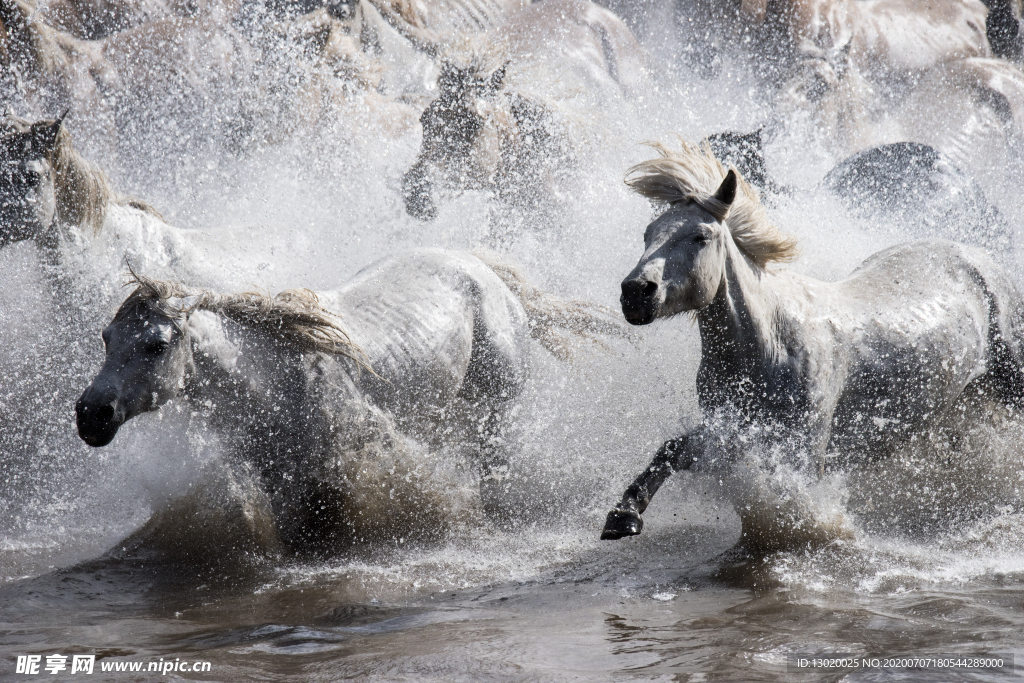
432,323
916,325
582,36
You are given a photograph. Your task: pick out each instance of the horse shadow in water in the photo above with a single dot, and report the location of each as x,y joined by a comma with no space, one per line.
434,345
798,375
905,186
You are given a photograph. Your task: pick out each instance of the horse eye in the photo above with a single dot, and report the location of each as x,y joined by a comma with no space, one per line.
32,177
700,239
157,347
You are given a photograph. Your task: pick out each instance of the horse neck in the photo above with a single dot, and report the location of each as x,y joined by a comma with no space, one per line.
737,328
236,363
279,408
59,254
53,242
227,369
82,188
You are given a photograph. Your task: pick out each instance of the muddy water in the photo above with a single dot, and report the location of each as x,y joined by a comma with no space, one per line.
936,566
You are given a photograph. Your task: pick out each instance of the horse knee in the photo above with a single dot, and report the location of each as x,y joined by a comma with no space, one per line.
676,453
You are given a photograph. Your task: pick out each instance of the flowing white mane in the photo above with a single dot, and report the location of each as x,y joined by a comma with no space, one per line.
294,315
692,174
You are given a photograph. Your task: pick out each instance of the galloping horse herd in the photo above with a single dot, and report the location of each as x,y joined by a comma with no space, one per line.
924,101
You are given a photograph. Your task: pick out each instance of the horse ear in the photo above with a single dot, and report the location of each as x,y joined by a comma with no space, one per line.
44,135
496,80
189,303
726,192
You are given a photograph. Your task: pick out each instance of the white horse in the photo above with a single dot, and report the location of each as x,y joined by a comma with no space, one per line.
973,111
890,41
445,334
830,370
167,84
75,233
969,109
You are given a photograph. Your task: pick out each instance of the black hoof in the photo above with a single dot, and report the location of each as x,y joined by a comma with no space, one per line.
621,523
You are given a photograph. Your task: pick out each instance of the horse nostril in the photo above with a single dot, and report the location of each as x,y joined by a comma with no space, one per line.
649,289
105,413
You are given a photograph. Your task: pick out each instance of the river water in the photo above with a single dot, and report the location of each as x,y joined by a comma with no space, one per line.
936,566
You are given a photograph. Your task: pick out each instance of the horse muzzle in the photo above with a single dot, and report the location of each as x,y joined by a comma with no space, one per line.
639,301
98,418
12,232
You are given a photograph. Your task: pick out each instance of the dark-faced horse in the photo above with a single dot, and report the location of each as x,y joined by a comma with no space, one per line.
309,389
514,108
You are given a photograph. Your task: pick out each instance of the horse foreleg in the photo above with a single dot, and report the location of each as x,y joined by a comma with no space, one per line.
497,495
624,519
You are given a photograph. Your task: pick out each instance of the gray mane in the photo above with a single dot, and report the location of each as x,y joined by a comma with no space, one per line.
82,188
294,315
693,174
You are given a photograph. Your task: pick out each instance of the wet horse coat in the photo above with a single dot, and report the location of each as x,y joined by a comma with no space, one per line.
447,341
828,369
84,229
888,39
920,190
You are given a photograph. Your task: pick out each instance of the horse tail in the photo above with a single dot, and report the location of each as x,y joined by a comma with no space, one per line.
554,322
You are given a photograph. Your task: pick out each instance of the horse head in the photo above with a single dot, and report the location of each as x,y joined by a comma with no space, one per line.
148,363
684,258
462,130
28,201
818,72
687,248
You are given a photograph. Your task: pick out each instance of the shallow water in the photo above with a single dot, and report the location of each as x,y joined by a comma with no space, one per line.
936,565
542,604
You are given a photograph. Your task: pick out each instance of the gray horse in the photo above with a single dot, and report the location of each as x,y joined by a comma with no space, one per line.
81,231
513,111
434,342
945,201
828,369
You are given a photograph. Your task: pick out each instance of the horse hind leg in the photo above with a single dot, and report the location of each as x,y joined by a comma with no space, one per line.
493,380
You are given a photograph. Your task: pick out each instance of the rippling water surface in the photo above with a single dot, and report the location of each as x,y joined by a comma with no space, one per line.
936,565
